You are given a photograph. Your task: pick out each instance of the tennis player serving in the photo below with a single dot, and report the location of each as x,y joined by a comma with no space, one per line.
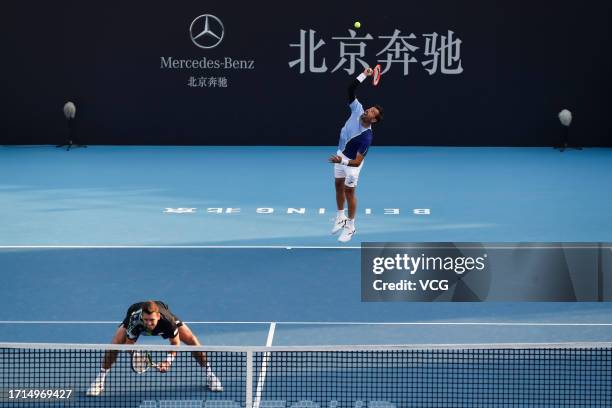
153,318
355,140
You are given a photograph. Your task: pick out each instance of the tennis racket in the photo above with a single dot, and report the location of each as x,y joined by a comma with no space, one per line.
142,361
376,74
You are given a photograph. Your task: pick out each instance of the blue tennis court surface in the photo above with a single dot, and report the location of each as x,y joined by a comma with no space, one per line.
274,195
274,198
236,241
237,293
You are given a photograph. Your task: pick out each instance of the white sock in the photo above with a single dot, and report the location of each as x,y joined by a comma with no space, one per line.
340,213
102,374
350,223
209,371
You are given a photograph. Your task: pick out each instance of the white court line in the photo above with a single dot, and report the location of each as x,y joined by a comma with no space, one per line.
325,323
264,367
287,246
270,338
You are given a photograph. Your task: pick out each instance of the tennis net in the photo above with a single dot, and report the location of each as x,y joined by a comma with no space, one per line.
496,375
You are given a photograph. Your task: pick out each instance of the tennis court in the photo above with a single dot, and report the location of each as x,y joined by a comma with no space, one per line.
314,317
91,231
191,195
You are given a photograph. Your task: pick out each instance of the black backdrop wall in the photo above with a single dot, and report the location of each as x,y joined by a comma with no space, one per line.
470,72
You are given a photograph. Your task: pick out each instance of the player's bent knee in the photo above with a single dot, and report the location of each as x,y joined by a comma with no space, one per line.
120,335
187,336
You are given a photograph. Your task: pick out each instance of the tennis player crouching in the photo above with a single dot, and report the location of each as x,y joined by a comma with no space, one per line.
153,318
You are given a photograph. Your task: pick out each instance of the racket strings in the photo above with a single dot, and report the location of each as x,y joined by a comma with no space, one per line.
140,362
376,75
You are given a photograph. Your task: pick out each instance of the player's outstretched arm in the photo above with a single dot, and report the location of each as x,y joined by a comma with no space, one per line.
351,91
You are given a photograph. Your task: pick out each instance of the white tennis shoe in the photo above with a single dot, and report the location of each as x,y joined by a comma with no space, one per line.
213,383
339,224
96,388
347,233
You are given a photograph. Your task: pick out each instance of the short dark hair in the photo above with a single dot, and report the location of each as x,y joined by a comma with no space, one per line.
150,307
380,115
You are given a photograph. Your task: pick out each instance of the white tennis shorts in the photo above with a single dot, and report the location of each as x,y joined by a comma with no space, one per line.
348,173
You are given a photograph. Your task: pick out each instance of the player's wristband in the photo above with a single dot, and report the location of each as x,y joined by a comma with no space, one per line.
361,77
170,358
344,162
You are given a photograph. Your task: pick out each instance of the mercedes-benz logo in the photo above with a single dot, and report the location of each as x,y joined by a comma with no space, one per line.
206,31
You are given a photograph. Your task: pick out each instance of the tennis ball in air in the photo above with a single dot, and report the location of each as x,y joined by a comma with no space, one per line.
357,24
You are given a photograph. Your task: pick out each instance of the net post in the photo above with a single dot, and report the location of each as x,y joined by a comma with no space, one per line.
249,379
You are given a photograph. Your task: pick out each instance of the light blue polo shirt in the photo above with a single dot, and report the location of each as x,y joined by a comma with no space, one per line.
353,136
